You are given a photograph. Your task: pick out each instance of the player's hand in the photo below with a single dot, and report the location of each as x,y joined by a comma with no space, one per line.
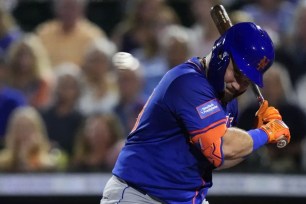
276,130
266,114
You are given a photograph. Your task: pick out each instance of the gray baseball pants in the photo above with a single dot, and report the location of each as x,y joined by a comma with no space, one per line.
116,191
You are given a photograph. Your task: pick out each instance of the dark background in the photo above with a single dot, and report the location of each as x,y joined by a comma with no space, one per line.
105,13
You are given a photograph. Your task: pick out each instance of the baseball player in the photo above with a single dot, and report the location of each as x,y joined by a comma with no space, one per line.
185,130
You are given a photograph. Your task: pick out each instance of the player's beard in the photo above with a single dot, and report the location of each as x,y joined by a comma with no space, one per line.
227,95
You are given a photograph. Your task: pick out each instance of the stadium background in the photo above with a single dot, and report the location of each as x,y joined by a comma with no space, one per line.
23,188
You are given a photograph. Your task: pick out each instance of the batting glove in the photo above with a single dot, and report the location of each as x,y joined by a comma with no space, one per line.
265,114
276,130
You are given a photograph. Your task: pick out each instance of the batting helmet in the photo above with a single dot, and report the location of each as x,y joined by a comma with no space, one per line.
250,48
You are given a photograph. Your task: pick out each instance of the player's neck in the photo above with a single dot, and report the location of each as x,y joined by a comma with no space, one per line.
203,62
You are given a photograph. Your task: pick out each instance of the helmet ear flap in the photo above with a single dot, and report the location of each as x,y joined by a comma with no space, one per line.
217,66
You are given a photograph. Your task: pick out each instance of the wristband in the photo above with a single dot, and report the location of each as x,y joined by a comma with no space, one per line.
259,137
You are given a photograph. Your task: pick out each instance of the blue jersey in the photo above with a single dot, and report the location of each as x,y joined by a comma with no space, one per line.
9,100
158,156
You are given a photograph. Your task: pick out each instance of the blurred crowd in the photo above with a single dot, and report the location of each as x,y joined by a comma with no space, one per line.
71,90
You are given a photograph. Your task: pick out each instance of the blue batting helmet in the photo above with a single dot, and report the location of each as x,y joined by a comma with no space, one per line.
250,48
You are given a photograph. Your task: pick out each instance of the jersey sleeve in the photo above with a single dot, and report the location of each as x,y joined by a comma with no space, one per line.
194,103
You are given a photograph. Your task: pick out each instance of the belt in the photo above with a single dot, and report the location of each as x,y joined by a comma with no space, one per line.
139,190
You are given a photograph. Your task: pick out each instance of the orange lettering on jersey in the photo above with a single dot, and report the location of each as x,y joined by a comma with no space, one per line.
262,63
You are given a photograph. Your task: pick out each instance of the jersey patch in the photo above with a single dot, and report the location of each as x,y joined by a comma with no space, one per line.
208,108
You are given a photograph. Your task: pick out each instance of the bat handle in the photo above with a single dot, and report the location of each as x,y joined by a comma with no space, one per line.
258,94
281,143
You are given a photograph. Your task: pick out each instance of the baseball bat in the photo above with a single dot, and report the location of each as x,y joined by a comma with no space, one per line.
223,23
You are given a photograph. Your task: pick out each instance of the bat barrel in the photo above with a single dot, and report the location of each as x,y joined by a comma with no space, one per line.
220,18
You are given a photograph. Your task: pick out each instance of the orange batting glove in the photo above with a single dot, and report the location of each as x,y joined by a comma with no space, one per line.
276,130
266,114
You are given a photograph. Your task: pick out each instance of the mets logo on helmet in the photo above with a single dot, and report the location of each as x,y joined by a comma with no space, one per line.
262,63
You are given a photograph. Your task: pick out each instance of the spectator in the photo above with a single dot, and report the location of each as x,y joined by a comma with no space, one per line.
131,32
275,16
67,36
203,32
8,5
29,70
150,54
292,53
62,119
238,16
130,82
139,35
9,99
98,145
165,17
27,148
175,45
300,90
9,31
100,93
279,93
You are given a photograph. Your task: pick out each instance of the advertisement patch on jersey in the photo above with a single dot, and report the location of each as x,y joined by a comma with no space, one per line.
208,108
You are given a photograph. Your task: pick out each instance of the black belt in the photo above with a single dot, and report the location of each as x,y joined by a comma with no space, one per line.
139,190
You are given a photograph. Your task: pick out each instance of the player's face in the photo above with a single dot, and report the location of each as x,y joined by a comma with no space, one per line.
236,83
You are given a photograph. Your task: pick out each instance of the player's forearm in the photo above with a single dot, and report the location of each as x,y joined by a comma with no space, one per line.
229,163
237,144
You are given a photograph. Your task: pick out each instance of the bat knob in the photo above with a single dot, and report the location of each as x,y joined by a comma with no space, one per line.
281,143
